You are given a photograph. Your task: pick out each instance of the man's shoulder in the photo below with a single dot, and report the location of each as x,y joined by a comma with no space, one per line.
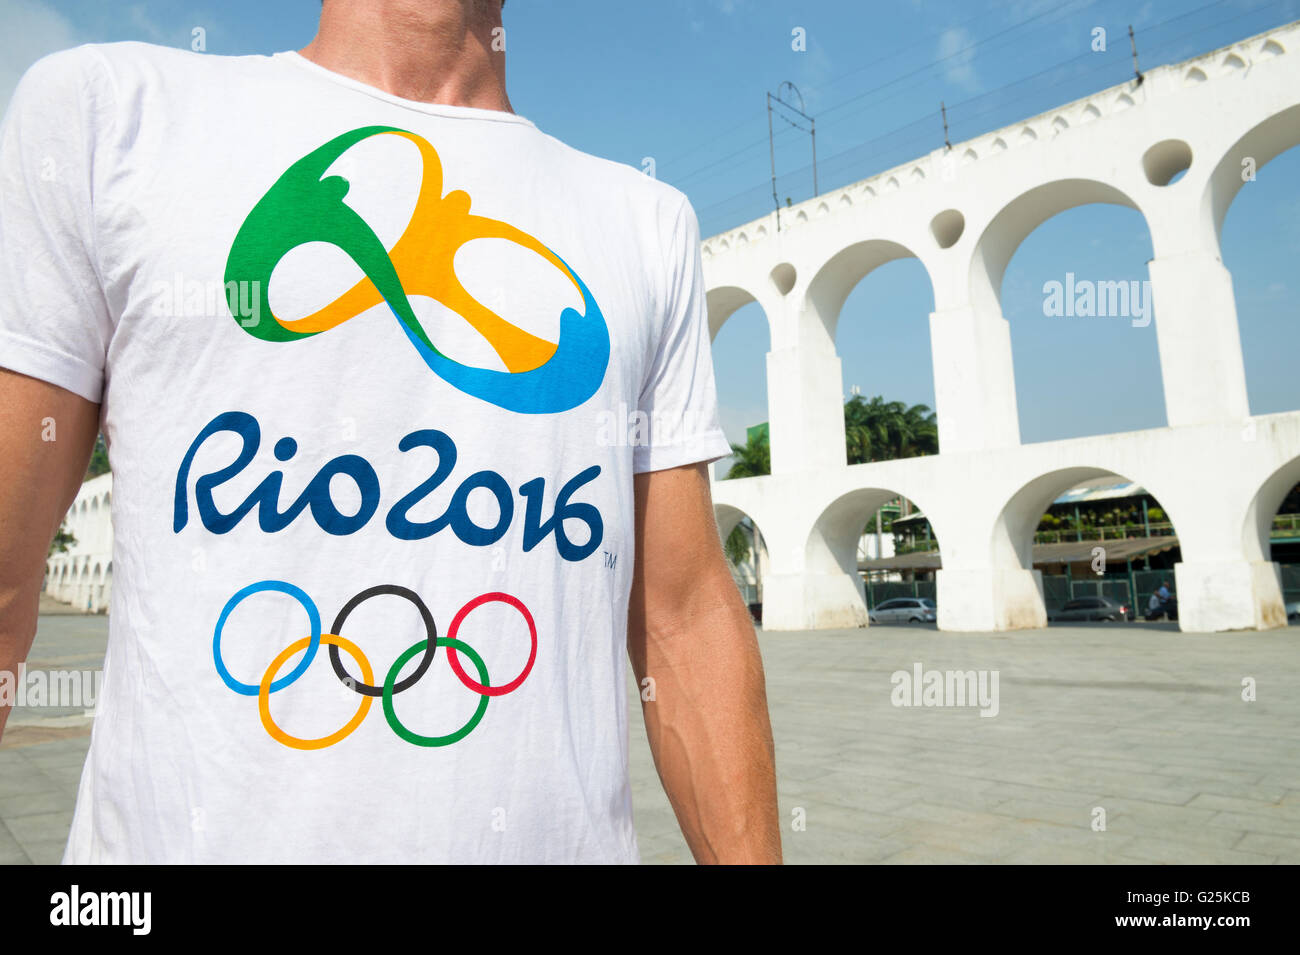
629,184
123,62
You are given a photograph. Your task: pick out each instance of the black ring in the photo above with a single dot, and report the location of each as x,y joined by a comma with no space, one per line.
431,628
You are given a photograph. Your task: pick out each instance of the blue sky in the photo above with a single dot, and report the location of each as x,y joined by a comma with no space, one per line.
683,82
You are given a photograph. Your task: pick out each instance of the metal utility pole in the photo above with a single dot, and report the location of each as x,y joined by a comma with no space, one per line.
1132,42
771,139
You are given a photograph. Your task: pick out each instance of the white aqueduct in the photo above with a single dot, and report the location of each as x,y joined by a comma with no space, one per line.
1219,472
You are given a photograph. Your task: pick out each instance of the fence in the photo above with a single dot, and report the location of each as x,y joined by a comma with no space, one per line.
1058,588
878,593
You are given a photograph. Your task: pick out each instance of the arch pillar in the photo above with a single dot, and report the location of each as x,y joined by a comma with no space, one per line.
1226,580
1199,343
989,598
1219,595
974,380
804,390
811,580
805,408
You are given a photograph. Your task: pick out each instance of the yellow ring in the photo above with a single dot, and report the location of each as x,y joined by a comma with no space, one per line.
264,693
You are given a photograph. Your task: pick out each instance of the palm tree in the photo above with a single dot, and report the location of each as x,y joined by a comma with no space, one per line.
751,459
879,430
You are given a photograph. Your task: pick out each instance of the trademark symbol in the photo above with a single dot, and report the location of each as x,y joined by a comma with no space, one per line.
610,559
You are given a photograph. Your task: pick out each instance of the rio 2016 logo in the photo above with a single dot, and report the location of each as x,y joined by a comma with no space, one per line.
302,207
365,687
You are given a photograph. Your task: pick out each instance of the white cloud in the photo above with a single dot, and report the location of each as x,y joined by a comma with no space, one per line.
960,68
31,30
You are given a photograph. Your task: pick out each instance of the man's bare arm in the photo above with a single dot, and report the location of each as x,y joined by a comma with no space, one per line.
690,632
46,436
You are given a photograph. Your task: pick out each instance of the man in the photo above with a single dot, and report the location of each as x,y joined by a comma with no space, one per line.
407,403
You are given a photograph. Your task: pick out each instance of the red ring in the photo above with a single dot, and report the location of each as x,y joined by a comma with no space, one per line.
454,659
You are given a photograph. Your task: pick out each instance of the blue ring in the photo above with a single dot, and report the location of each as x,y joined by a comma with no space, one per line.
280,586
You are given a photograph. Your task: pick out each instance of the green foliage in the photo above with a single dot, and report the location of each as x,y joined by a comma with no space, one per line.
98,459
737,546
874,430
752,459
879,430
63,539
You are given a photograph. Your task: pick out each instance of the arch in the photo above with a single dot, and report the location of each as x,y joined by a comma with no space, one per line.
1233,62
1010,227
1012,539
728,518
838,276
1256,531
722,302
999,145
1194,75
831,547
1262,143
1271,48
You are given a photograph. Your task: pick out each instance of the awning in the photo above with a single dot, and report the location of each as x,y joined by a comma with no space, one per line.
1118,550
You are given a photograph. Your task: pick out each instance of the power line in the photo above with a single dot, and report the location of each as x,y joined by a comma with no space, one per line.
1037,88
1061,11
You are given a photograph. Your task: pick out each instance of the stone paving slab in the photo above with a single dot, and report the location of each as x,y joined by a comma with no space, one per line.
1144,723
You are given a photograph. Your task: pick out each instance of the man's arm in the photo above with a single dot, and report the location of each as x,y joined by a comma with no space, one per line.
46,436
690,632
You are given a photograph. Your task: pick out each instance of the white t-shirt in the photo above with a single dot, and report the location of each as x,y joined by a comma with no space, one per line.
338,429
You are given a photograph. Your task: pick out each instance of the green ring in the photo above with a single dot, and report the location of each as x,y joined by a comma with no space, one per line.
391,680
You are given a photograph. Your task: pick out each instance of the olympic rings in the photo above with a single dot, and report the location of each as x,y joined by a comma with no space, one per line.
264,697
431,629
366,688
455,644
413,737
251,689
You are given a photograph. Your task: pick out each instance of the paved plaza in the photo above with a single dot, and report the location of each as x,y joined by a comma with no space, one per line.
1139,721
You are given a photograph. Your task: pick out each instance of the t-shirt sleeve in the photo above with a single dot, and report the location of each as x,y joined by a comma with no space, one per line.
679,396
54,320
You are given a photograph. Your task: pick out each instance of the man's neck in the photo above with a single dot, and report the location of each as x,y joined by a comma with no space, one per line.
431,51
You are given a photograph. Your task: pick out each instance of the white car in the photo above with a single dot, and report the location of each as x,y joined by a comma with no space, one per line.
904,610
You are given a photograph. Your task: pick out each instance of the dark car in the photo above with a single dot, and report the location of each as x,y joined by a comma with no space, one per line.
1092,608
1166,611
